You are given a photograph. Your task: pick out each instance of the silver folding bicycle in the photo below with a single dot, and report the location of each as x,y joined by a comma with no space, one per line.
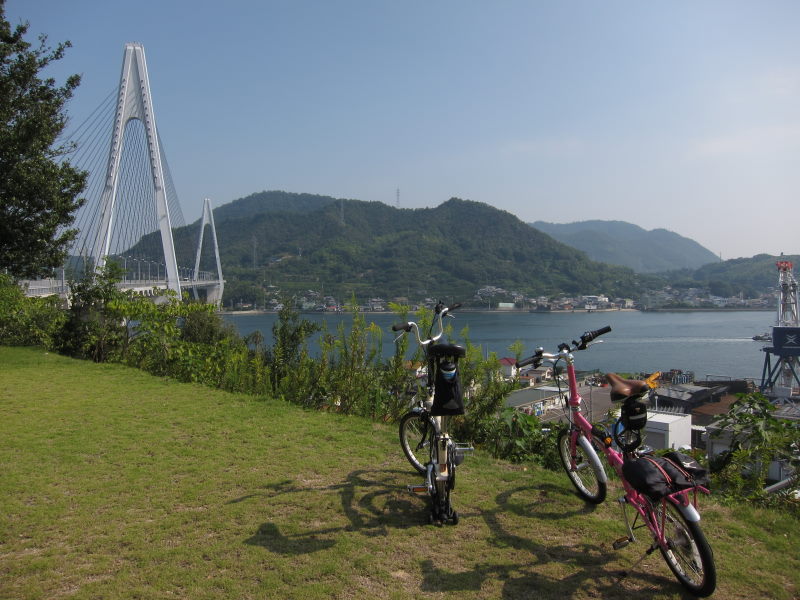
424,434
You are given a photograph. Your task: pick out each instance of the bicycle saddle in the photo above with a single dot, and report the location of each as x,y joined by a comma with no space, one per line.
448,350
624,388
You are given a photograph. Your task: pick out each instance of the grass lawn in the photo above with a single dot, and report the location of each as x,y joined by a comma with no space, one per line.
116,484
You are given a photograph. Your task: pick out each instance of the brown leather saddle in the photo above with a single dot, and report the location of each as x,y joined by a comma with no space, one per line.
625,388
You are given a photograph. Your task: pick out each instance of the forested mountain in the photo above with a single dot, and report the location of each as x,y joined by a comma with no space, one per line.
749,276
298,242
628,245
273,201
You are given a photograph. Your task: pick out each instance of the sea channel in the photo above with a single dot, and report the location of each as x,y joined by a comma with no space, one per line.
711,344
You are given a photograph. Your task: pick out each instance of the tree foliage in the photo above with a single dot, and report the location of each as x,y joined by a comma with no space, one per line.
95,324
355,247
38,191
757,437
27,321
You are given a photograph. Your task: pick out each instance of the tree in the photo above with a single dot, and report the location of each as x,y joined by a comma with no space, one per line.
757,437
38,191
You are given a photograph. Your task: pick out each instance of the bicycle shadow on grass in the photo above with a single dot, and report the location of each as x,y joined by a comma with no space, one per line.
589,567
270,537
542,501
372,501
589,575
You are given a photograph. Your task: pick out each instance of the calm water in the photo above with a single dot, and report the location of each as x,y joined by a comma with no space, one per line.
708,343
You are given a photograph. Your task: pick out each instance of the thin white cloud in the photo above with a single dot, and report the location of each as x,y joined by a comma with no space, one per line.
756,141
557,147
782,82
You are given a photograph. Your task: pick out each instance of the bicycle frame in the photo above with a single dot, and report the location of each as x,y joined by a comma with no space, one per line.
445,454
582,431
673,520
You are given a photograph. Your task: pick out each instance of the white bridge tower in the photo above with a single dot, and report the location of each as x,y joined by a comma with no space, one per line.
135,102
214,294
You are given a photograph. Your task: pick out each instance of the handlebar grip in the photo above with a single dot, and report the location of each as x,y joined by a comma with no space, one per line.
602,331
592,335
526,361
535,360
454,306
401,327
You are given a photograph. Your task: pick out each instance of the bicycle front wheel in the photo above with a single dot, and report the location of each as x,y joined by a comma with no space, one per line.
687,553
586,480
416,434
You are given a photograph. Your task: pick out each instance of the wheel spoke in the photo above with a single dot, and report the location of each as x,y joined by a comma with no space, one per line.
687,552
580,470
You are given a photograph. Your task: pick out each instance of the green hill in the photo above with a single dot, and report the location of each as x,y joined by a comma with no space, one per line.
274,201
749,276
348,246
116,484
620,243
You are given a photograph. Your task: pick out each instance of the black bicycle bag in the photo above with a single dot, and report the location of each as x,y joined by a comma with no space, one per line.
647,476
659,476
633,413
448,398
687,471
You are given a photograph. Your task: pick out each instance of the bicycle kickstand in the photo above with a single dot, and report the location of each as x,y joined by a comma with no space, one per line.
623,574
625,540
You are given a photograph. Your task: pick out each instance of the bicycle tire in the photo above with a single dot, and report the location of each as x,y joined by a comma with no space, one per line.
416,433
688,556
589,485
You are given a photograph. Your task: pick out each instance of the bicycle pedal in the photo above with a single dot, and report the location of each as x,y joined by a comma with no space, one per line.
418,489
621,543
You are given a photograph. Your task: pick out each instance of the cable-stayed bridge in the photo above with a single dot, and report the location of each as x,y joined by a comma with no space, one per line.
132,215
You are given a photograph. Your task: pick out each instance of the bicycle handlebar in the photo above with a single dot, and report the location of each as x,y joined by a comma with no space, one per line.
440,311
588,337
592,335
534,360
454,306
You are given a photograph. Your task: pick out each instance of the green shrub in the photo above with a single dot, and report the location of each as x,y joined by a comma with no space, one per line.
206,327
292,373
757,439
350,369
27,321
94,328
518,437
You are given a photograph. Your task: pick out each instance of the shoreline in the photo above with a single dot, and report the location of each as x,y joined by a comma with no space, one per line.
460,310
506,312
743,309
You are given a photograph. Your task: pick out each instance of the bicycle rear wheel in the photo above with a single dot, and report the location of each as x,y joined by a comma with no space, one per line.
416,435
688,554
583,476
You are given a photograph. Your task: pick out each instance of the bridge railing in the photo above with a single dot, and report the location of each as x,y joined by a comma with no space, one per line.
36,288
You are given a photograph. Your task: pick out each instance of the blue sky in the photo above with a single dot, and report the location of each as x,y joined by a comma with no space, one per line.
683,115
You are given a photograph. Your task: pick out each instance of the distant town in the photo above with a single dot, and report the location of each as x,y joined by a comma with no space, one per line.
497,298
